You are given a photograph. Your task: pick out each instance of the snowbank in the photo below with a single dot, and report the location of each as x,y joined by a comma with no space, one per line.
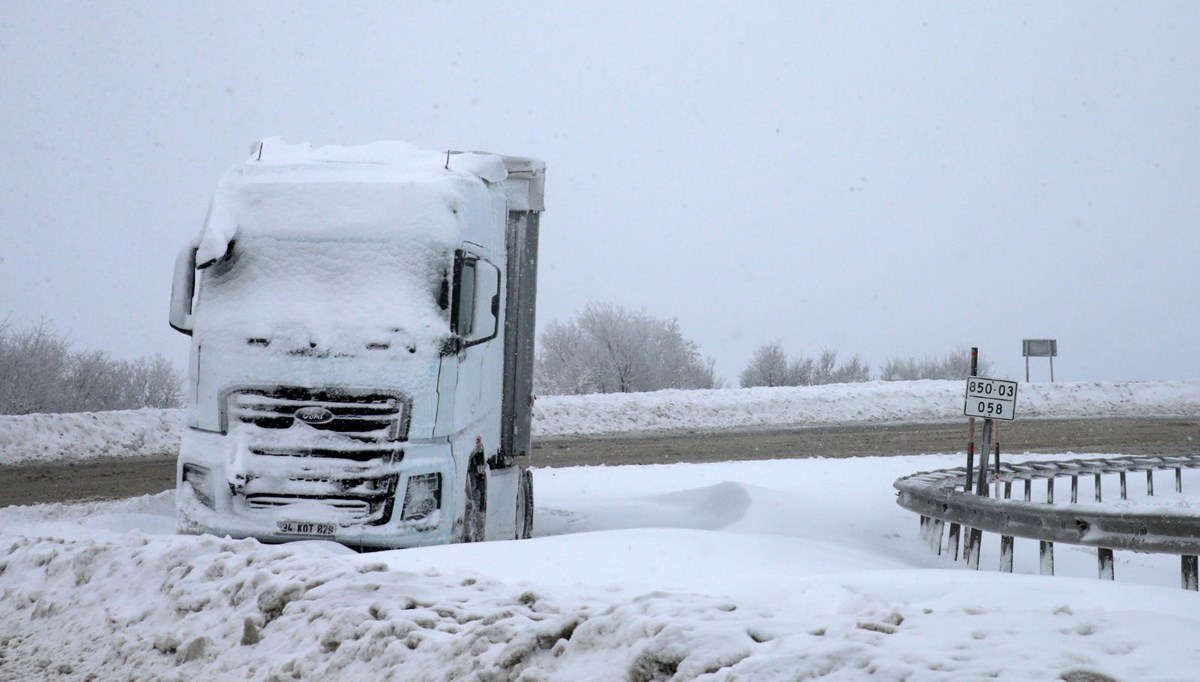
54,437
783,570
876,402
88,435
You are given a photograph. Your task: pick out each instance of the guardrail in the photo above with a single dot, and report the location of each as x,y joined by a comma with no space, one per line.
939,497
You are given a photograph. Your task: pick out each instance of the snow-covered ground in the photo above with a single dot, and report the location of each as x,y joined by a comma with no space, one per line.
55,437
772,570
768,570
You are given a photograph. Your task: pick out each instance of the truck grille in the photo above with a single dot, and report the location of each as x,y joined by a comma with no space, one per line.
366,501
353,455
343,511
355,508
365,416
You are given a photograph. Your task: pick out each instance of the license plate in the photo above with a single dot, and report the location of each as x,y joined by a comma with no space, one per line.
305,528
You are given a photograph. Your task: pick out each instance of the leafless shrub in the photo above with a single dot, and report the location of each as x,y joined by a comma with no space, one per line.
608,349
770,366
953,365
40,373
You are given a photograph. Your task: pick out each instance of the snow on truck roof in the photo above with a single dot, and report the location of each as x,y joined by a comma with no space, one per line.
377,191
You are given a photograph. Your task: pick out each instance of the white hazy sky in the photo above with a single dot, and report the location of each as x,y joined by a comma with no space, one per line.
887,179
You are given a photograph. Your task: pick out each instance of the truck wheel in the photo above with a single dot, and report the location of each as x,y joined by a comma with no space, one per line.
475,514
525,506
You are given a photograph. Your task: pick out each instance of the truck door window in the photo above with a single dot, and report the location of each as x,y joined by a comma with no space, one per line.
475,310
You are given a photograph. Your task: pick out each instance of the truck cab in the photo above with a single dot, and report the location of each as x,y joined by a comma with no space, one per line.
361,323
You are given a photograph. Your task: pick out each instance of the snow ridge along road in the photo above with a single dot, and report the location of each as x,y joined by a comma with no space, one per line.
151,433
120,454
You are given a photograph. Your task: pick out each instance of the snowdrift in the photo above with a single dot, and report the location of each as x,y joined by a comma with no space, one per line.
783,570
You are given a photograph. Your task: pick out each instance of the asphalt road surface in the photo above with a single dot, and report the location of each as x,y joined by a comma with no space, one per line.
118,478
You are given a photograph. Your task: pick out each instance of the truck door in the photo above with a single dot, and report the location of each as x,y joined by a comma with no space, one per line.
476,319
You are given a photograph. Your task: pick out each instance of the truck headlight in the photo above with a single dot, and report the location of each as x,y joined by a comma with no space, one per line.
200,478
422,497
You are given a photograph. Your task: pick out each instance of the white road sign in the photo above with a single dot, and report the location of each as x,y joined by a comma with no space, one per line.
991,398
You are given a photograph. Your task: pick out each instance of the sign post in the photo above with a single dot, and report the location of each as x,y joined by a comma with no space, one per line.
1039,348
990,399
954,527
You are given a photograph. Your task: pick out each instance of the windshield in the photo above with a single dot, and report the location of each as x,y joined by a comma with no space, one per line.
330,296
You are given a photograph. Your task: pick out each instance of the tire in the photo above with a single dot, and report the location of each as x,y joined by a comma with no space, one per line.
525,506
475,509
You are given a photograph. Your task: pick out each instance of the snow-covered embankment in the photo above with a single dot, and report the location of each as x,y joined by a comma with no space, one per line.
58,437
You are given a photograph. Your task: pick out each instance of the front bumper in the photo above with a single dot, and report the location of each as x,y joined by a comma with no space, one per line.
334,488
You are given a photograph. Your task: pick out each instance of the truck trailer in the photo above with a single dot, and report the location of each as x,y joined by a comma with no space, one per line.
362,329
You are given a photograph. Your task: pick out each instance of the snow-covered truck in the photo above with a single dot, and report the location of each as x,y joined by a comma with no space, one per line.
362,323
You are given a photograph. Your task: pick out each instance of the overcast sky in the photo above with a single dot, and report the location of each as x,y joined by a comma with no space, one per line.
886,179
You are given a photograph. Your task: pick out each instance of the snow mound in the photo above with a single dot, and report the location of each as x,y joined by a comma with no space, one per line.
805,569
176,608
874,402
89,435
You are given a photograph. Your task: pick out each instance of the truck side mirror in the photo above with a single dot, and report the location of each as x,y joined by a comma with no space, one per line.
475,310
487,302
183,289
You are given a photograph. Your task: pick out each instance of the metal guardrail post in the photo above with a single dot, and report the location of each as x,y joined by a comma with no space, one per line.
1191,570
1105,559
1046,558
954,527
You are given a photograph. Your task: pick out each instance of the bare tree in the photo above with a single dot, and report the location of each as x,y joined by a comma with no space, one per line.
32,362
40,373
609,349
163,386
826,370
94,382
953,365
770,367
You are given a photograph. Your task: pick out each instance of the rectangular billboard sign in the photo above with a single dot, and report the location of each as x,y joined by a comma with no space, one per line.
1039,348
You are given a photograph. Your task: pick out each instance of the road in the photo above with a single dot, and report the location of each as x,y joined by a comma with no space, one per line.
118,478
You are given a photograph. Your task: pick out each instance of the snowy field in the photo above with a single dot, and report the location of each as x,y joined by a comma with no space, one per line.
772,570
140,433
768,570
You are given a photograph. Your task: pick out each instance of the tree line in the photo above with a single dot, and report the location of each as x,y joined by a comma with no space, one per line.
770,366
609,349
41,372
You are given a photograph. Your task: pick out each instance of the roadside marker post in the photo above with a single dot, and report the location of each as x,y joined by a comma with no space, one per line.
953,540
990,399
